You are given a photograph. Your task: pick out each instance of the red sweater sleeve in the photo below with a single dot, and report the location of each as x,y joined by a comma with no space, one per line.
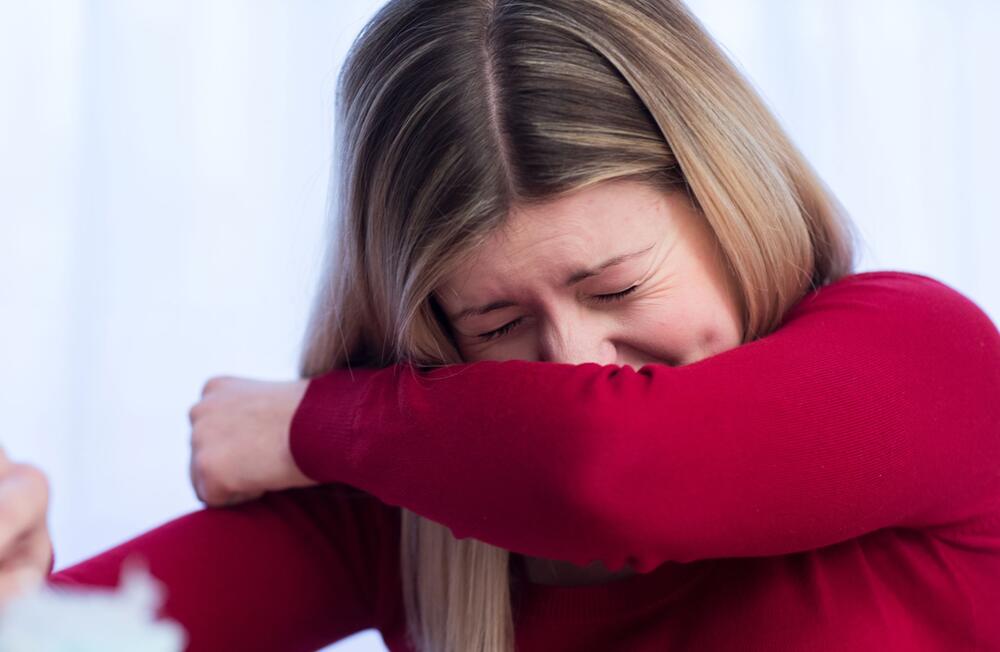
876,404
294,570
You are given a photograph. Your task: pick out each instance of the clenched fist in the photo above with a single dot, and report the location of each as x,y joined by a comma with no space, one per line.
239,439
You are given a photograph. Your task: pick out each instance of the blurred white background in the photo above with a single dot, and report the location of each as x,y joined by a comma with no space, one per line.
163,180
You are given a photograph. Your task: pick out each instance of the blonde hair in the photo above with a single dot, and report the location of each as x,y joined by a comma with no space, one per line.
450,112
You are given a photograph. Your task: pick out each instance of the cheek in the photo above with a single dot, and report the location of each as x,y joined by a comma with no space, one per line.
686,329
656,334
712,329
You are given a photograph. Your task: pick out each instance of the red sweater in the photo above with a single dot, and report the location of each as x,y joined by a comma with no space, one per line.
832,486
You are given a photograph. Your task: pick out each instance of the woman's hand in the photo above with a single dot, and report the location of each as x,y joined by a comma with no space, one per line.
25,546
239,440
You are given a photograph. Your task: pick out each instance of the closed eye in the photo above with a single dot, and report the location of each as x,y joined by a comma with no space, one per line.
508,327
500,332
615,296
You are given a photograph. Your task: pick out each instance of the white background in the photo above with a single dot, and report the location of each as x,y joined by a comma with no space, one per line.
163,178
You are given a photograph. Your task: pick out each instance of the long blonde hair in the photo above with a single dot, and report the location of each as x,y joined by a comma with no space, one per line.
450,112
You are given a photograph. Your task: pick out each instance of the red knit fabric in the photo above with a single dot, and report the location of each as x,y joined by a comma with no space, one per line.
832,486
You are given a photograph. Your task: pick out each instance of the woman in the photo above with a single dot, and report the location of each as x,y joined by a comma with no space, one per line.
769,453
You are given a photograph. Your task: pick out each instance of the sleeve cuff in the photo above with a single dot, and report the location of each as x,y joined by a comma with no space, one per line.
323,425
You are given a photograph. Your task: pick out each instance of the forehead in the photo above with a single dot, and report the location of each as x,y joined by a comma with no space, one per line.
557,237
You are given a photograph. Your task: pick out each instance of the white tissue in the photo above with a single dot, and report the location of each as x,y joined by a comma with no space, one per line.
78,619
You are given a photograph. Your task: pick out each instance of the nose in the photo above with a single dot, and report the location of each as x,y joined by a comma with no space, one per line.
576,345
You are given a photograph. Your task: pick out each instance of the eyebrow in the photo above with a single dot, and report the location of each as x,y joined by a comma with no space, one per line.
573,279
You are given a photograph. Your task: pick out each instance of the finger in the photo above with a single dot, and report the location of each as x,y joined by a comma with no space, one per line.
214,383
195,480
23,502
201,406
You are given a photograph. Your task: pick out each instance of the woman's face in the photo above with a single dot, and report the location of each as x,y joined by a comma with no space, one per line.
618,273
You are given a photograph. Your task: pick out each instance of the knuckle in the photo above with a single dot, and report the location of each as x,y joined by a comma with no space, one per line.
216,383
211,385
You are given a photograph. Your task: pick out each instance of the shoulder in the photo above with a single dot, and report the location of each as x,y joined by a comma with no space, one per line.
889,283
898,297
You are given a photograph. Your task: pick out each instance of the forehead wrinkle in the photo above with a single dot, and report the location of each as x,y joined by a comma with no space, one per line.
562,236
501,285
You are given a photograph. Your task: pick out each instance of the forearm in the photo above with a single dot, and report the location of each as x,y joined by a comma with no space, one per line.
251,577
835,425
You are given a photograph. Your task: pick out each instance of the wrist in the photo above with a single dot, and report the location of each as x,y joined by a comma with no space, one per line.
293,475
